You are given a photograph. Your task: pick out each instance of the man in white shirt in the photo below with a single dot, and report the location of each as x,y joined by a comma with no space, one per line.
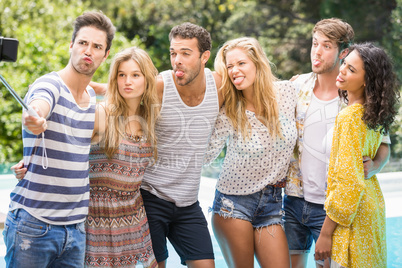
317,107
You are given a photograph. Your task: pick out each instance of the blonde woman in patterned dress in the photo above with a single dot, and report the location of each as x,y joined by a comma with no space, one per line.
353,233
123,146
258,126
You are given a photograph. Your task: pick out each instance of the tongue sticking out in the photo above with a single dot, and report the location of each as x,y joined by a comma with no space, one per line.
179,73
316,62
238,80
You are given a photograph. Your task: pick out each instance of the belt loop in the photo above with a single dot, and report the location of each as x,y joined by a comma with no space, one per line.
15,212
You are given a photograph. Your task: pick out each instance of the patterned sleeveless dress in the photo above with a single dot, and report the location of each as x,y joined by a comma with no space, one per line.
117,226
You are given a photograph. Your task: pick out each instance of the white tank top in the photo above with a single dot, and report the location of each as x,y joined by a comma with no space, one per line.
183,133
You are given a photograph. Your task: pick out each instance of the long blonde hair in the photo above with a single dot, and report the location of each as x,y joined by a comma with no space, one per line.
265,103
117,111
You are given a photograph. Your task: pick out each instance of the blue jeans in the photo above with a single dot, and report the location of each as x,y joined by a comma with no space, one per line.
34,243
263,208
303,222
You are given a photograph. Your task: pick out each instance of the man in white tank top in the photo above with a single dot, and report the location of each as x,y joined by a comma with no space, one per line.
190,104
317,108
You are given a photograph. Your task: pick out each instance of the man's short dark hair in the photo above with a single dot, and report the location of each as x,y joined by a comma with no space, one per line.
97,20
188,31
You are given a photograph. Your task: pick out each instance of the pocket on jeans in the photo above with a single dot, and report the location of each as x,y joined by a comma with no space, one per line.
31,229
81,227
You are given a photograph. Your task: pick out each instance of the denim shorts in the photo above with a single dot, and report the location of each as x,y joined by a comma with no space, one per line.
262,208
303,222
34,243
186,228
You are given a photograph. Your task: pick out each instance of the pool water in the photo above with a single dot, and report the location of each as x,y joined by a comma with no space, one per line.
393,225
394,244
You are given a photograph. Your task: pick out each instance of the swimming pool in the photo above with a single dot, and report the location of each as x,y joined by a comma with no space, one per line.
391,186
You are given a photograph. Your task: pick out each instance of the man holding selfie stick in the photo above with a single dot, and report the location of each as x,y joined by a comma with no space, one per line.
45,223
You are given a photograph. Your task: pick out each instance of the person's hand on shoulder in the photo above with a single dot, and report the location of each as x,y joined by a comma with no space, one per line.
99,88
294,77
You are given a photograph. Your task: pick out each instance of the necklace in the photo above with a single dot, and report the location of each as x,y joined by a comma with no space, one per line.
135,139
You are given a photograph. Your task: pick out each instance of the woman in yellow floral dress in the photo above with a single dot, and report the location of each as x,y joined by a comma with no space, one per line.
353,234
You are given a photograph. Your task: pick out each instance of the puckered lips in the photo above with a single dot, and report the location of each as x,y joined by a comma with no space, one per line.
88,60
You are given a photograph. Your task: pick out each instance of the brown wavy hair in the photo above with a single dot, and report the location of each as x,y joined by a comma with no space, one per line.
381,93
336,30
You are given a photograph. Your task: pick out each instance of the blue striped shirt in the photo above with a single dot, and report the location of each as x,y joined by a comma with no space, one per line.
57,194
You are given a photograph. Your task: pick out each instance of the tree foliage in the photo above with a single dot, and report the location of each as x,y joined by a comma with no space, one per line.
43,28
282,27
392,42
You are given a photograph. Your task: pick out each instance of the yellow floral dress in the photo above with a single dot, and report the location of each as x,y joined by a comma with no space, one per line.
356,204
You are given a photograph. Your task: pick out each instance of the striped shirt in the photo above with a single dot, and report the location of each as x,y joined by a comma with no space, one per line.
57,193
183,134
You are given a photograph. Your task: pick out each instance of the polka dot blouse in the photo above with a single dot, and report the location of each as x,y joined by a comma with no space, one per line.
258,161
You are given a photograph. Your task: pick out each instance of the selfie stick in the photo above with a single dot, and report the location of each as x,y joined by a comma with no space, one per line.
29,109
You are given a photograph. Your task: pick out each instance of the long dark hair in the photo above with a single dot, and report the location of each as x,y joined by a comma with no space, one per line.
381,93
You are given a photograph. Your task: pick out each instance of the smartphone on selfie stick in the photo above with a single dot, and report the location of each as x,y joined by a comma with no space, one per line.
8,52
